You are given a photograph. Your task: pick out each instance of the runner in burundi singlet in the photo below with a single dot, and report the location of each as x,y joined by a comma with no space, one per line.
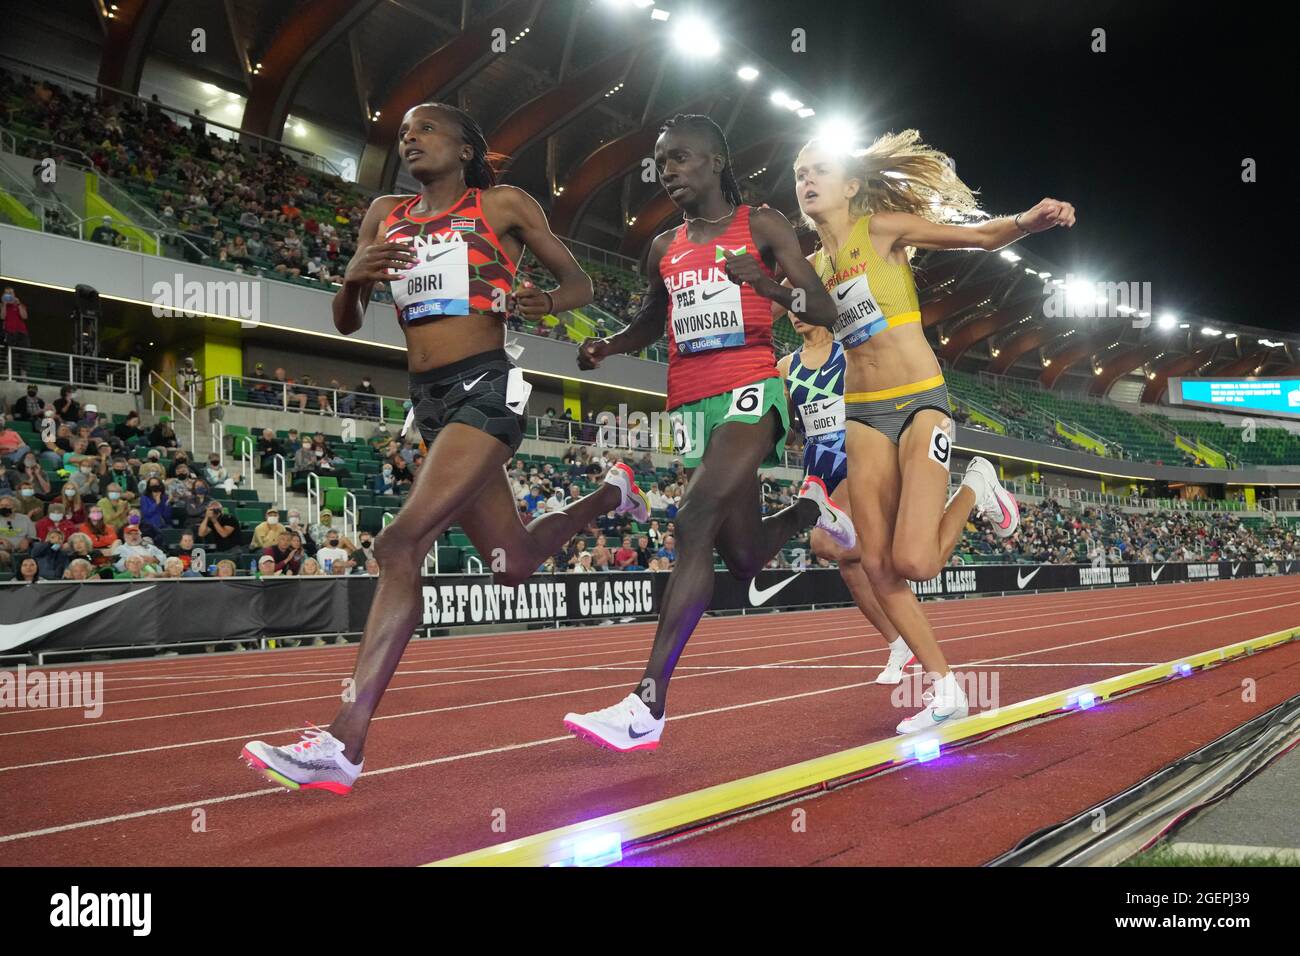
711,285
449,257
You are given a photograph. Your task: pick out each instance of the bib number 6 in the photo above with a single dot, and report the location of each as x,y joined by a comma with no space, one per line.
746,400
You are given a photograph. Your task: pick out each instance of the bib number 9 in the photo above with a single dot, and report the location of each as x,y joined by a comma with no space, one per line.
746,400
941,447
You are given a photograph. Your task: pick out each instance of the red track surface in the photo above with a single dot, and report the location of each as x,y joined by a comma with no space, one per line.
471,728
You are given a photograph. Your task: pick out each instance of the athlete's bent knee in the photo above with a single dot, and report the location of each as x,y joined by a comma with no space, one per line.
395,547
915,565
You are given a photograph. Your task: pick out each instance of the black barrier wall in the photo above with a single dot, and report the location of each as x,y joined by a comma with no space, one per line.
57,615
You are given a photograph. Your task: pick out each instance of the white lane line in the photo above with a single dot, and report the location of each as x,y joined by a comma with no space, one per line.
118,818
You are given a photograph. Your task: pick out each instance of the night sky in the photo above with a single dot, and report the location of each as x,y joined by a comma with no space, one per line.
1146,139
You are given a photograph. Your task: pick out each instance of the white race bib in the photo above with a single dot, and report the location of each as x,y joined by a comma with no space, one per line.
822,417
518,389
746,399
858,317
706,315
437,284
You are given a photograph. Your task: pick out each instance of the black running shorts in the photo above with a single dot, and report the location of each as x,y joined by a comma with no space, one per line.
484,391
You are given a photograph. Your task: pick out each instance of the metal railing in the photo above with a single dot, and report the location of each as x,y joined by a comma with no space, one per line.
248,392
39,367
163,393
279,481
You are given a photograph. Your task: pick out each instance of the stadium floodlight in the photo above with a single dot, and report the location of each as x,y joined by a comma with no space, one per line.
747,73
1044,275
1009,255
836,135
804,113
210,89
693,35
1030,272
1231,335
779,97
1184,325
1208,330
657,14
1167,321
643,3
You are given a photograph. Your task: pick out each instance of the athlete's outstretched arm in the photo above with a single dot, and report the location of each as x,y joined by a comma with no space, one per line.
371,263
902,229
772,230
648,325
528,222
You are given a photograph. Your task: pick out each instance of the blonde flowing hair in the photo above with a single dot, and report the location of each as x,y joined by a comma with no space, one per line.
900,173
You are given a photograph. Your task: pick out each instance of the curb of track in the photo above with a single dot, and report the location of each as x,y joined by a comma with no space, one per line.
559,847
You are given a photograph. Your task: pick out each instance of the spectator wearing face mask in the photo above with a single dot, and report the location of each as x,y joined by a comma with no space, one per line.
265,534
55,520
365,550
85,480
133,543
115,508
28,503
30,407
151,468
304,459
101,534
51,555
216,475
155,505
332,554
66,406
180,488
218,529
364,402
385,483
16,530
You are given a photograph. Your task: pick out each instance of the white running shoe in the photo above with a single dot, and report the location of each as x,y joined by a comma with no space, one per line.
900,657
992,500
945,702
628,725
314,763
634,500
834,520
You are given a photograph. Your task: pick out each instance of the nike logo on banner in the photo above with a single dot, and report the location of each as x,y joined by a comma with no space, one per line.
675,259
468,385
1234,569
1023,579
430,256
706,296
16,635
841,295
757,597
1156,572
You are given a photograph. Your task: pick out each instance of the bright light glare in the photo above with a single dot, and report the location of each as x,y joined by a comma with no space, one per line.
696,37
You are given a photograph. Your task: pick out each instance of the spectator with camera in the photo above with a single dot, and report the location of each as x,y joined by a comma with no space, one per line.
217,528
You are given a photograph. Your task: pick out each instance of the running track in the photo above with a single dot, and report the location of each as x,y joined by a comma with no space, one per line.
469,736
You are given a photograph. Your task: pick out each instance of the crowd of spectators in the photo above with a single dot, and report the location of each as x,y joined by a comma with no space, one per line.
1101,535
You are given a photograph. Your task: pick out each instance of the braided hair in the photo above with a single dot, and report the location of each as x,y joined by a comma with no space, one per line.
481,170
698,122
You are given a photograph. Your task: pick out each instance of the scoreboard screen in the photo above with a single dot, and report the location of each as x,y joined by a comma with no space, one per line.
1259,396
